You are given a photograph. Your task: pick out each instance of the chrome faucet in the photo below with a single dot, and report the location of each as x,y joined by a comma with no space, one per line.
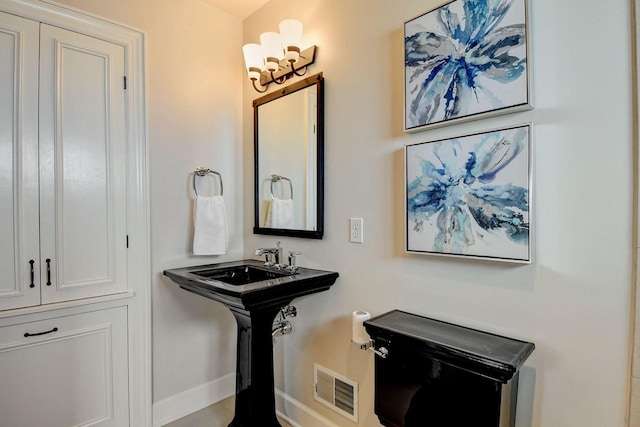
267,252
267,256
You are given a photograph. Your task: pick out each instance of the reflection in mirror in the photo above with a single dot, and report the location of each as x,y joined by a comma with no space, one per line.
288,150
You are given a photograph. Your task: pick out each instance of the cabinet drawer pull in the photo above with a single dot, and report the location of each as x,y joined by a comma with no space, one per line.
48,261
27,334
32,285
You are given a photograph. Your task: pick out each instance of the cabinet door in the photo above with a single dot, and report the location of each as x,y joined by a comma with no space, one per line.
82,166
19,278
69,371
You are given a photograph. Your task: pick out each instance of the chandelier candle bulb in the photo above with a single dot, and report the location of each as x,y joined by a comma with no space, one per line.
272,50
291,33
253,59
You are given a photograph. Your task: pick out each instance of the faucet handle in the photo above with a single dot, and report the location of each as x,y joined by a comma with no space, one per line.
292,267
267,259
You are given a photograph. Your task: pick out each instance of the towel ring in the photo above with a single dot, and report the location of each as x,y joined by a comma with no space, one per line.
202,171
278,178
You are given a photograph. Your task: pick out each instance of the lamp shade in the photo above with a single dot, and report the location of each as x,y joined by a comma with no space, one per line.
253,60
291,33
272,50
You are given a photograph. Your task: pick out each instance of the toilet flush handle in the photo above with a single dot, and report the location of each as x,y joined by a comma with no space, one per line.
382,351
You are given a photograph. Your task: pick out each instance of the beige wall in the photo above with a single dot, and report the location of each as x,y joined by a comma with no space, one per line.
573,302
194,72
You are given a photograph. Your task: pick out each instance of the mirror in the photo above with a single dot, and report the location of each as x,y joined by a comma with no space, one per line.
288,137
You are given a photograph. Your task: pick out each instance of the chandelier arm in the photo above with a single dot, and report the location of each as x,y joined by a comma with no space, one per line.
253,81
278,81
293,68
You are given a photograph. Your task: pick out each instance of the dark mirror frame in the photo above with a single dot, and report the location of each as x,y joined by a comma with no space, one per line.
318,81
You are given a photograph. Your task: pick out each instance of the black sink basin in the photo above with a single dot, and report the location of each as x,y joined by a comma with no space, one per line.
254,294
241,275
248,285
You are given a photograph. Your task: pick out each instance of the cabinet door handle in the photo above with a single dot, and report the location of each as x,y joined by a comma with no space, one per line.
32,285
48,261
27,334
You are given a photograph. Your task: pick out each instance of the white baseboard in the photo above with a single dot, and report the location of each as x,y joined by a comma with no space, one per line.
189,401
297,414
180,405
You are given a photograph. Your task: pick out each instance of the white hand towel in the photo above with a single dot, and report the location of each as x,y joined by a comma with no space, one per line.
211,236
280,214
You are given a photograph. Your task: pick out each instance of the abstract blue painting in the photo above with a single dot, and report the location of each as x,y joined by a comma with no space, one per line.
464,60
470,196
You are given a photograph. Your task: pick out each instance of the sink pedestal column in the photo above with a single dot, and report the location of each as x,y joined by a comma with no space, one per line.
254,302
255,396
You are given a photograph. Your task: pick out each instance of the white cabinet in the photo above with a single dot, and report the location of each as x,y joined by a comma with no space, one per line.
74,244
82,166
63,222
19,211
65,371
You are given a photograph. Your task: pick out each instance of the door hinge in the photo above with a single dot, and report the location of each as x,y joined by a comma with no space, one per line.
127,241
125,82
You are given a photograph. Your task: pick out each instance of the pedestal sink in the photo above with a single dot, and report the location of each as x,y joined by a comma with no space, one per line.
254,294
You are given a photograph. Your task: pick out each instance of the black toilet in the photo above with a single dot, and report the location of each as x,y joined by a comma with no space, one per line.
435,374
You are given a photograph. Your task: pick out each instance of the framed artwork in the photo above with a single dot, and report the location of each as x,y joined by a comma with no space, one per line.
470,196
465,60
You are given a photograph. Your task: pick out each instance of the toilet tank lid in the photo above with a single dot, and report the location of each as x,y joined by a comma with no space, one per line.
484,353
